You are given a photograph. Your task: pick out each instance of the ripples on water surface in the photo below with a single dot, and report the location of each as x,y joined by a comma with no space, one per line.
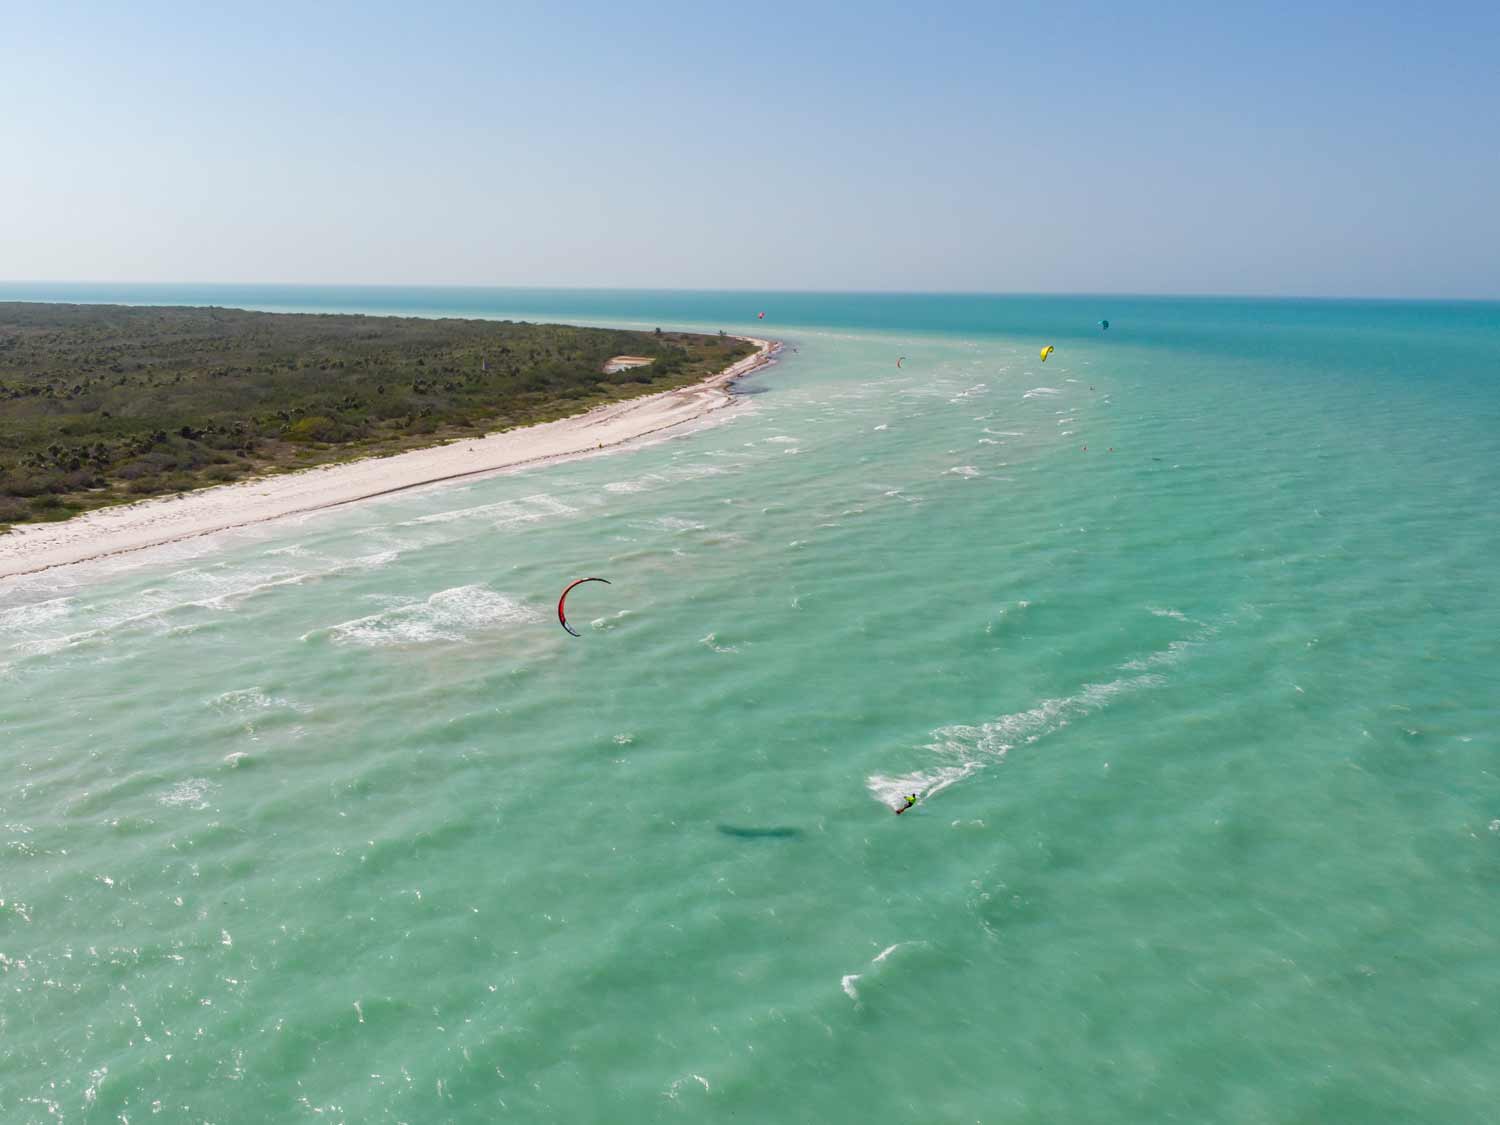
329,819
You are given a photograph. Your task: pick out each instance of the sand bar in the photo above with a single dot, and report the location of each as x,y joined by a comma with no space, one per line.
150,523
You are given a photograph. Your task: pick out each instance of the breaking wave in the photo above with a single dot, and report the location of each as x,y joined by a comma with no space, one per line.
505,513
448,615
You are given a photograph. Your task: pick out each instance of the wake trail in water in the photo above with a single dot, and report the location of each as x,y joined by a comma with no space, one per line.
964,750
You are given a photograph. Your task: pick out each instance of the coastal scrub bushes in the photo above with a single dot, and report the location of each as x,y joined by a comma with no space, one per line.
315,427
102,403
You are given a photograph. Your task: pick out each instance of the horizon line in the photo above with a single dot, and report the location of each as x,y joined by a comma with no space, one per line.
1102,294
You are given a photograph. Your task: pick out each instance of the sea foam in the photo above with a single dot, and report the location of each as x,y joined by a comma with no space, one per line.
448,615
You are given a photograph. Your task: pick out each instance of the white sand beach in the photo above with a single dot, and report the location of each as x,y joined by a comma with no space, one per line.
150,523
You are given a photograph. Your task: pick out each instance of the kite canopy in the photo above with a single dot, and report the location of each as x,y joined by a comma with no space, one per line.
1104,324
1048,350
761,316
899,361
562,618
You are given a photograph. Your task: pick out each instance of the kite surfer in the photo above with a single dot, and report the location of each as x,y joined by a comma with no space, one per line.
910,799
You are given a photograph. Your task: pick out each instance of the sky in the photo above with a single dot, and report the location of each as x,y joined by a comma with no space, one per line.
1322,149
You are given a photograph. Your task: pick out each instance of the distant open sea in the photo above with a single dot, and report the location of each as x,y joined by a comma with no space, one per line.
1188,638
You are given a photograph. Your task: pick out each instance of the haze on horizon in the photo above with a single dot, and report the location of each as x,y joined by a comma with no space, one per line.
1331,150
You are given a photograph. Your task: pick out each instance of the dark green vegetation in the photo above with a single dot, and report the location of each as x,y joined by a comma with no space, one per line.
103,403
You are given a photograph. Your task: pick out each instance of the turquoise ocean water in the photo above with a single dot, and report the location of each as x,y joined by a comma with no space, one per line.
328,820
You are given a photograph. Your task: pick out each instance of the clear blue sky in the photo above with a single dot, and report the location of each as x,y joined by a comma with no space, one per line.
1334,149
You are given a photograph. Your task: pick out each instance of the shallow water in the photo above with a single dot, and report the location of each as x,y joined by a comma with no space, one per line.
328,818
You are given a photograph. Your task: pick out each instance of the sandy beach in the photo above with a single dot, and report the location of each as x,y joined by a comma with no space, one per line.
151,523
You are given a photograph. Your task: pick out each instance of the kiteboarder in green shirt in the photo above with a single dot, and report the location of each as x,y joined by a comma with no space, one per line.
911,799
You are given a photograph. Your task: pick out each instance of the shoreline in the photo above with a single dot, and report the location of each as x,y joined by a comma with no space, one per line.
124,528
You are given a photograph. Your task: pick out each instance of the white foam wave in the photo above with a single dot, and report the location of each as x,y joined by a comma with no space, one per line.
848,980
639,484
28,618
503,513
898,494
698,472
712,641
888,950
673,1091
192,793
448,615
45,628
1170,655
967,471
1041,392
236,588
671,523
251,701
